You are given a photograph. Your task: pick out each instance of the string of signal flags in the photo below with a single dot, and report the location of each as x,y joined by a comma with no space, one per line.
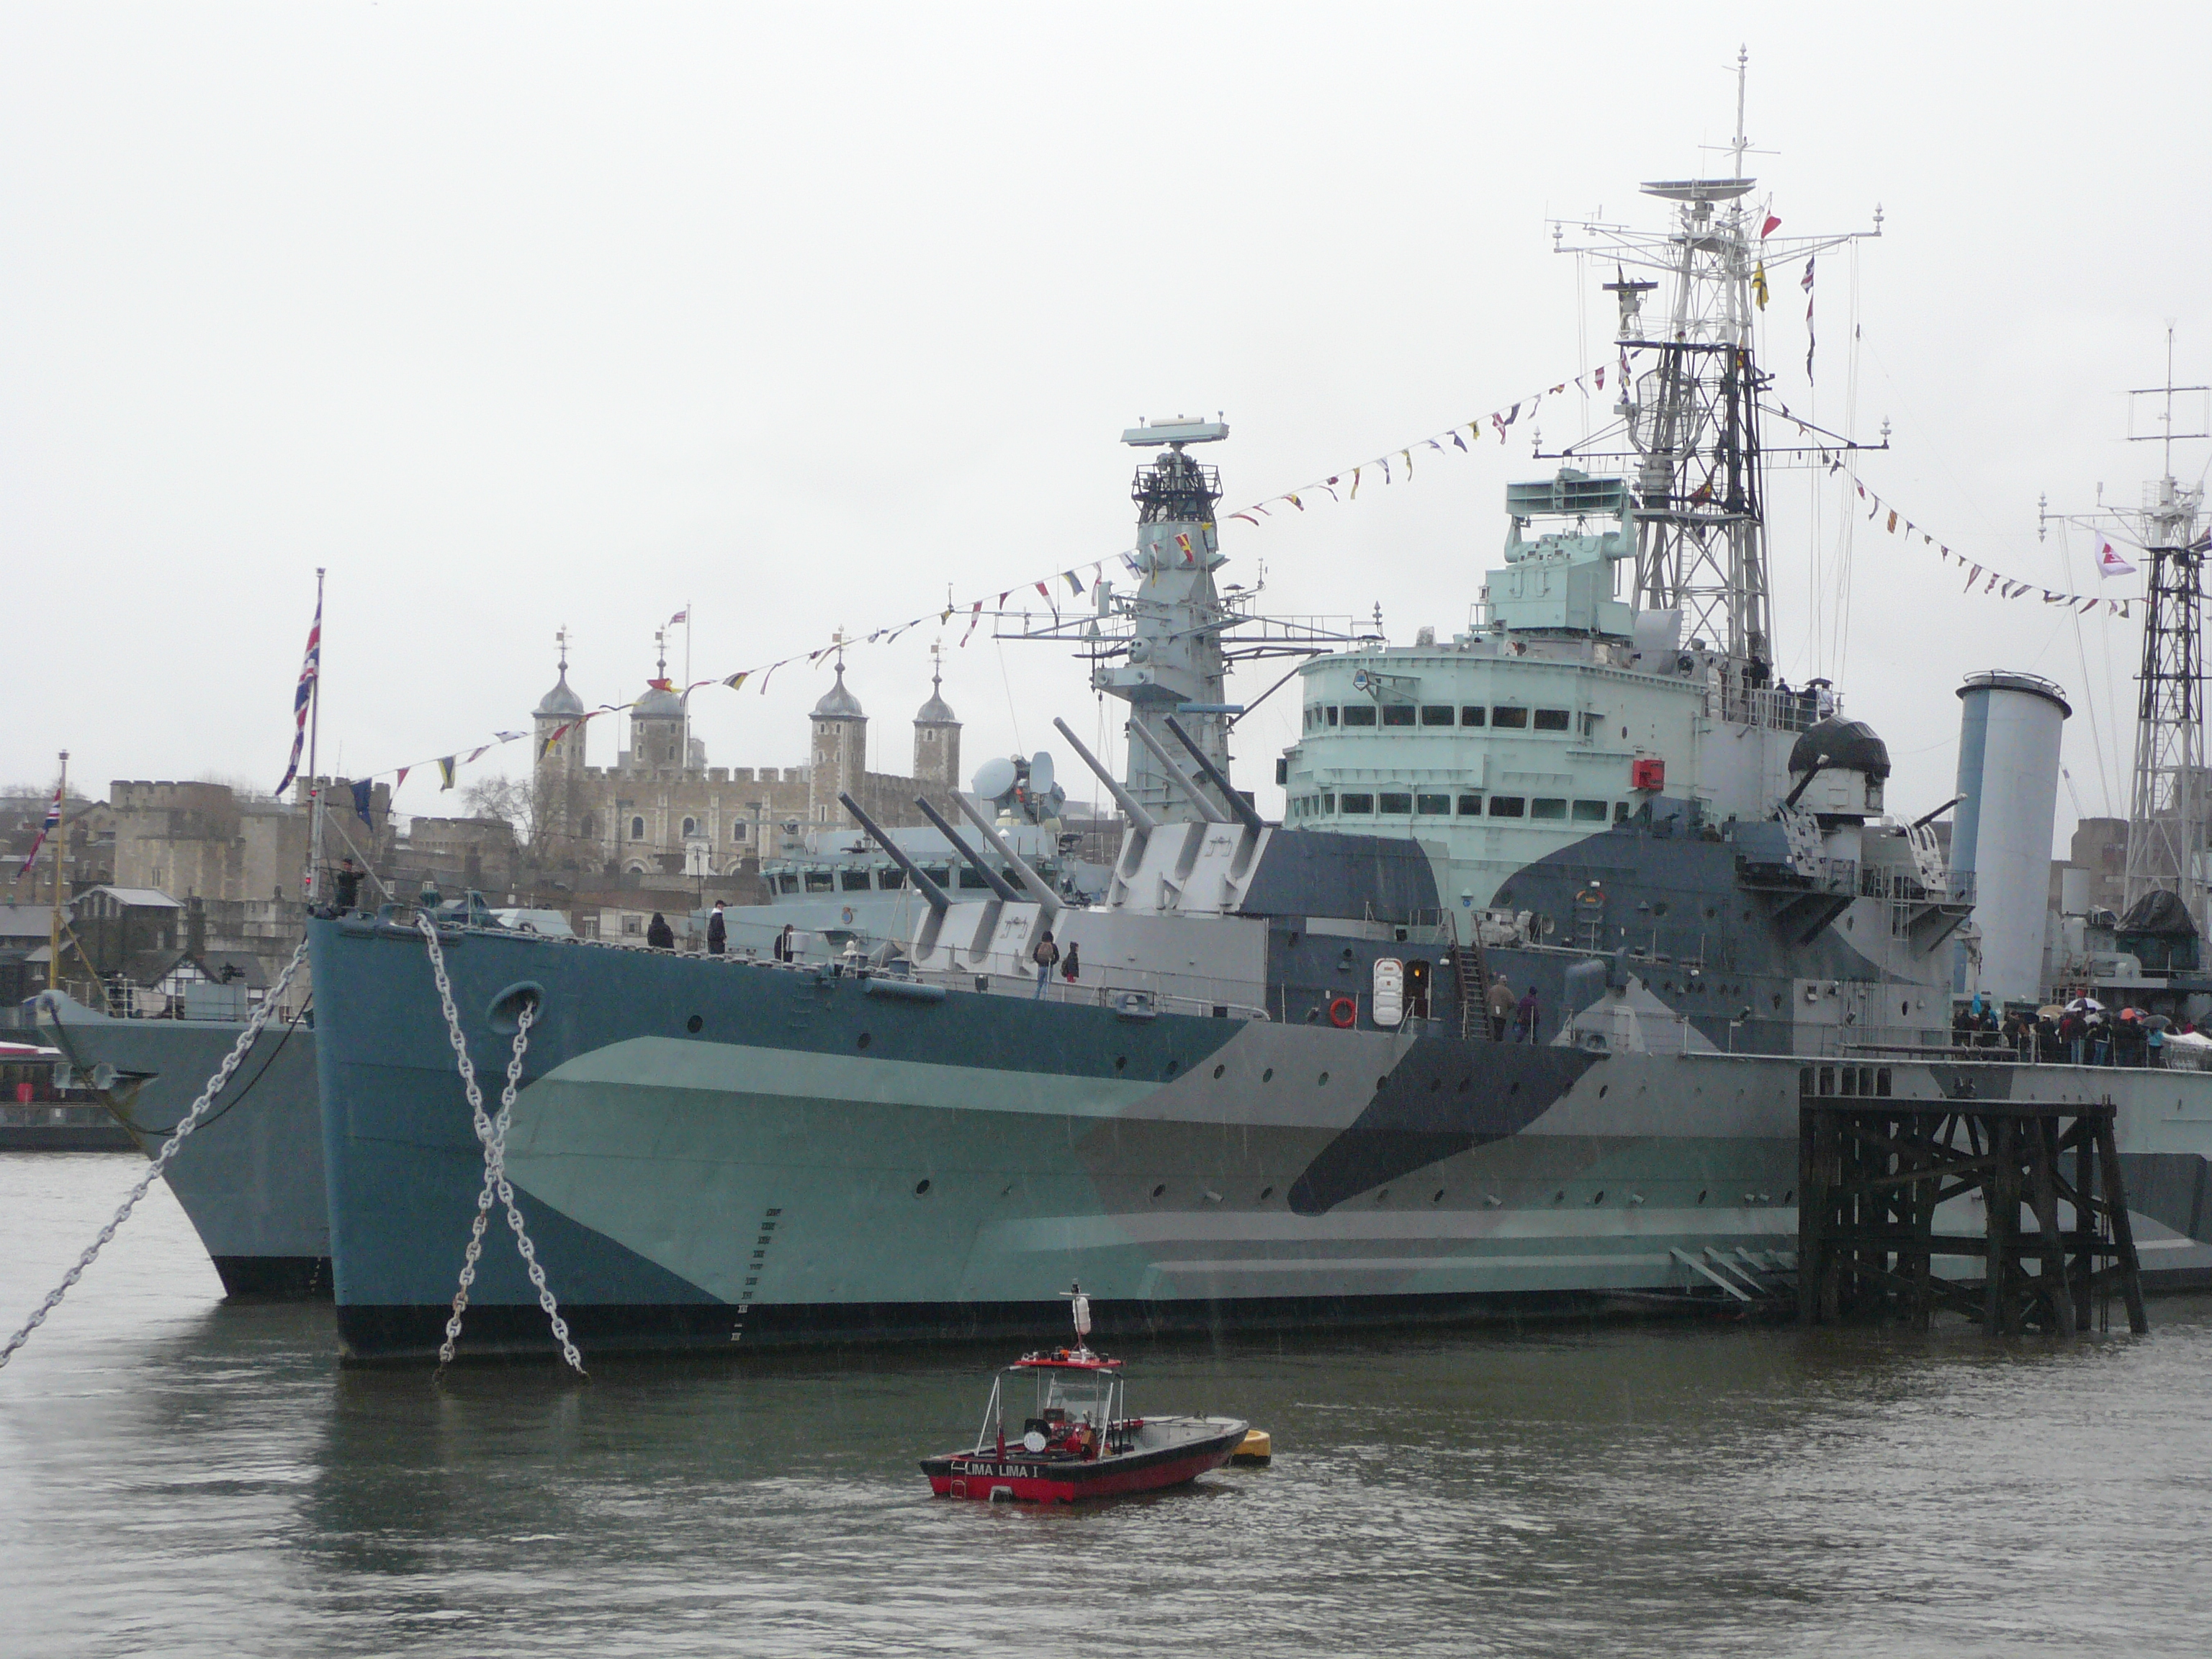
1341,486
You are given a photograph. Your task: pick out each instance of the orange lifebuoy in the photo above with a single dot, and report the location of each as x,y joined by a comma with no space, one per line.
1342,1012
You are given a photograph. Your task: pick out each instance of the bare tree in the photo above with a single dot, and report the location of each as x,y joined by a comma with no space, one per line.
513,800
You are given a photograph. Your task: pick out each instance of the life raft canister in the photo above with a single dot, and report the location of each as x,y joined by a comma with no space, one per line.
1342,1012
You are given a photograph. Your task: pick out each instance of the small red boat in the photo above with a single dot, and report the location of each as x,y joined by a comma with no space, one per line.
1079,1440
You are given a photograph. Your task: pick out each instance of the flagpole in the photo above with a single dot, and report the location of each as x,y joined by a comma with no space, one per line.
61,839
683,760
313,882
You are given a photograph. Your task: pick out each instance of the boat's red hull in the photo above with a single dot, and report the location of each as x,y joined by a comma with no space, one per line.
1044,1481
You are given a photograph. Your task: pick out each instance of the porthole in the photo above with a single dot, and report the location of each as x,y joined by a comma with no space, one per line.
1436,1197
1160,1190
1265,1193
1701,1195
861,1040
922,1186
1380,1083
1601,1088
1324,1077
1268,1076
1790,1197
1599,1199
1120,1062
693,1025
1174,1066
1382,1197
1217,1071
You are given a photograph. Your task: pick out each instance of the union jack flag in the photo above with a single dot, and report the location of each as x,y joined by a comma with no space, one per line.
52,823
310,670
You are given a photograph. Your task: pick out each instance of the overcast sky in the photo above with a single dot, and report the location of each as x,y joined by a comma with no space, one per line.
526,315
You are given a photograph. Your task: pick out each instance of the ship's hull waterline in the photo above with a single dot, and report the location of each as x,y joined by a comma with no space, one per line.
712,1154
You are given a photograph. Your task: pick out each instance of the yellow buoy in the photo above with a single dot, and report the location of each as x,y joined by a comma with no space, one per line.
1257,1448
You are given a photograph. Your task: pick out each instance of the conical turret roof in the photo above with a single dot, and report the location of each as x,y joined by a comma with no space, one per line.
839,704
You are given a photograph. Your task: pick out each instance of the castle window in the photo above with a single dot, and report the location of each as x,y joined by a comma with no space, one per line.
691,828
588,827
737,830
637,829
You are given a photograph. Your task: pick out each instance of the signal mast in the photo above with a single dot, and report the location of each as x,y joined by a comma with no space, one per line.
1690,411
2166,808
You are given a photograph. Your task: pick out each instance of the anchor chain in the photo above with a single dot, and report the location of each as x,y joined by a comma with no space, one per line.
190,1121
492,1133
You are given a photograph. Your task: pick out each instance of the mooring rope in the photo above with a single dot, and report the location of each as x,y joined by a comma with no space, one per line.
492,1132
190,1121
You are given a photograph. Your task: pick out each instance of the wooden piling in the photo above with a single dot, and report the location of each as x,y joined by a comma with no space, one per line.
1872,1171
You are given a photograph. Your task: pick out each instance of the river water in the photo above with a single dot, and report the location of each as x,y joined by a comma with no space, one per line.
183,1477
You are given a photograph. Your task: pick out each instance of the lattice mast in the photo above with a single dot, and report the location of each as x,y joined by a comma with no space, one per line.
1690,411
2168,833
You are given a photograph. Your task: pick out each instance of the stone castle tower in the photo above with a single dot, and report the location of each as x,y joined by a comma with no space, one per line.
839,757
937,736
557,768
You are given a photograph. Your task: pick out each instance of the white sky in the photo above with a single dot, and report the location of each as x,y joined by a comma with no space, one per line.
515,316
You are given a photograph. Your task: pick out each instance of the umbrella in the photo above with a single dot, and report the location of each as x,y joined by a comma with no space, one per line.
2049,1011
2159,1023
2085,1006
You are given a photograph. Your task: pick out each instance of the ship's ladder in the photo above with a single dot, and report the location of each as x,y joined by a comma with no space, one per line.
1470,979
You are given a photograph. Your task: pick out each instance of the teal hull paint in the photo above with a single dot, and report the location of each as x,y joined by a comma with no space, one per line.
761,1181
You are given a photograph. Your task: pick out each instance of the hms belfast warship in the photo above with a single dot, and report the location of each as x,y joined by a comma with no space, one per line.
1275,1096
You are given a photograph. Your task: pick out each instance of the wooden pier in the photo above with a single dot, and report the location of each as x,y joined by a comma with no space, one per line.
1873,1169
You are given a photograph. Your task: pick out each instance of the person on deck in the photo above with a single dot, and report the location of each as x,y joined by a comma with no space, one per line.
718,931
1526,1017
659,934
787,945
1500,1003
1044,953
1071,967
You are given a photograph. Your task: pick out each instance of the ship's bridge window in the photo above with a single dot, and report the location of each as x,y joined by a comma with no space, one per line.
1328,712
819,881
1620,809
890,879
1398,714
1329,803
1554,720
1508,806
938,873
1470,806
1356,714
1432,807
787,883
1590,811
1590,724
1509,717
1436,714
1547,807
1357,803
1401,804
1472,715
853,881
972,877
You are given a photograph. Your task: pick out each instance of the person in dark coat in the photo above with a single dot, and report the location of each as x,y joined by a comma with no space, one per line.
347,885
787,947
659,934
1071,965
718,932
1526,1017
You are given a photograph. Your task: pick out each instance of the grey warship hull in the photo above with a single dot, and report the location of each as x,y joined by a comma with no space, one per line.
250,1178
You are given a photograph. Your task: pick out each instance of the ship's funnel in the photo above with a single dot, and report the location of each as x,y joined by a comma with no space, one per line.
2008,735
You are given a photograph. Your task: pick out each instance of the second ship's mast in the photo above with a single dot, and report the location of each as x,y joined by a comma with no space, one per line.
1690,411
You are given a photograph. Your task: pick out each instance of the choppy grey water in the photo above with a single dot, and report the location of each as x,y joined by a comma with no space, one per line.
183,1477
